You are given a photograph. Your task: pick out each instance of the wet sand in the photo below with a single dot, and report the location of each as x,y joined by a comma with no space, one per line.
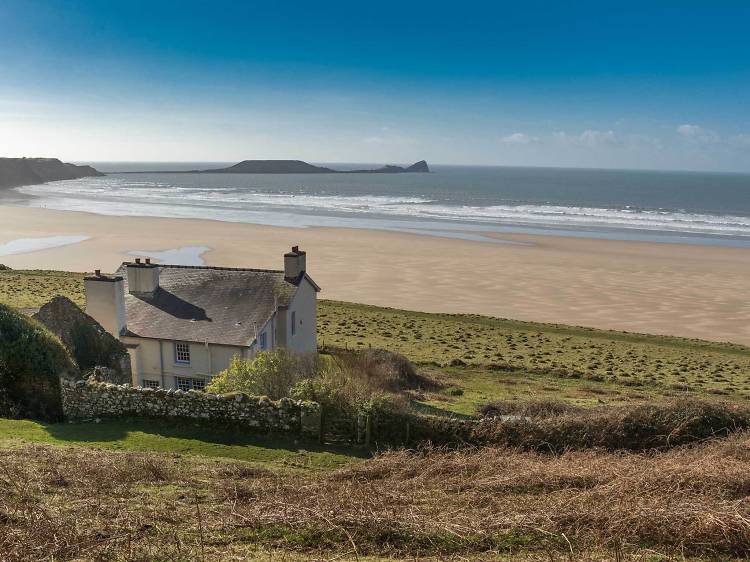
676,289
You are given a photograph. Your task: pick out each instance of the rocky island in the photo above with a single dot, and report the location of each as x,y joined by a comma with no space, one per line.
15,172
297,167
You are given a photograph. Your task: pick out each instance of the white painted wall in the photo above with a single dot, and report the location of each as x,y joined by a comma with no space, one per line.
105,303
155,361
304,308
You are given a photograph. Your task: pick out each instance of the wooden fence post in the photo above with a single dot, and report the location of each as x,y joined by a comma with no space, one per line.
321,432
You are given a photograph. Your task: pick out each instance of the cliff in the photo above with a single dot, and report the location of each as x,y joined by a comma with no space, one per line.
15,172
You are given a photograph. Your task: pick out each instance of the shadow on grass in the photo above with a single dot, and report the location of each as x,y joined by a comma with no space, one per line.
190,436
431,410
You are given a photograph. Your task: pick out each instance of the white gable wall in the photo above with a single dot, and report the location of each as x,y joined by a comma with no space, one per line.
304,310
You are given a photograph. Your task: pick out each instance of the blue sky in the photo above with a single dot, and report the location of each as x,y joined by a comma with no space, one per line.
657,84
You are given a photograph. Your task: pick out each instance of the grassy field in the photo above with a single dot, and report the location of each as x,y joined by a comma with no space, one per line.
503,359
32,289
512,359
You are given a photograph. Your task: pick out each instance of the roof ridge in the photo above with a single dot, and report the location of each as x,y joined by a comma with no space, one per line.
215,267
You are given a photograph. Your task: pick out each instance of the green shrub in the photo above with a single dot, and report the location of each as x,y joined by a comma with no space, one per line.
91,349
336,387
269,373
32,360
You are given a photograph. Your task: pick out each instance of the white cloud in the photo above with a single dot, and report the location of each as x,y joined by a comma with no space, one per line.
391,140
696,133
588,138
740,141
519,138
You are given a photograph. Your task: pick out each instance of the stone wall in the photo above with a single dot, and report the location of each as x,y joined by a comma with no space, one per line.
90,399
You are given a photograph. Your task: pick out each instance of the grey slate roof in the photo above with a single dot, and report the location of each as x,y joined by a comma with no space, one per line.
207,304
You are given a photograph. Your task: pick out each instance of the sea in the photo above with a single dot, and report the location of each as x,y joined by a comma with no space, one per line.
454,201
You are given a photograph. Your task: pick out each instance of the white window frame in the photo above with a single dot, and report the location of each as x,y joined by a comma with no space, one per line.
190,383
182,353
150,383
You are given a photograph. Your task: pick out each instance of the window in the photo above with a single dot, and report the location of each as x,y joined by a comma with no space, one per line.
181,352
147,383
294,322
262,341
190,383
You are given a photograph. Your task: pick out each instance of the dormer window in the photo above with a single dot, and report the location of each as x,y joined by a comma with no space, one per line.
182,353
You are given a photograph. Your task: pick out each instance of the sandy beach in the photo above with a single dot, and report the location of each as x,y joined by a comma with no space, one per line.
692,291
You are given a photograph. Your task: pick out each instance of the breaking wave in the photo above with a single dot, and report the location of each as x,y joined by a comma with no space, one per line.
116,195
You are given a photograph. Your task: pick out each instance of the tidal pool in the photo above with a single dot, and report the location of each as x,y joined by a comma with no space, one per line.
27,245
186,255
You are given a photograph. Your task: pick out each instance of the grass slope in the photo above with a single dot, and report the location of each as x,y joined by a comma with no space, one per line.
544,358
34,288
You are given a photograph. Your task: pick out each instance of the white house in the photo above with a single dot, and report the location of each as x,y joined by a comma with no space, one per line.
183,324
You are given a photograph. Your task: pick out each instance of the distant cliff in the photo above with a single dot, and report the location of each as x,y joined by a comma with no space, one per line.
300,167
15,172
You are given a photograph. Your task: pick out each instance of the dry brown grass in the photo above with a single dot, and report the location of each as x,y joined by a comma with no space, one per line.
84,504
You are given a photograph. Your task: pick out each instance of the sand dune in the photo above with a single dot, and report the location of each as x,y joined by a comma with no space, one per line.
692,291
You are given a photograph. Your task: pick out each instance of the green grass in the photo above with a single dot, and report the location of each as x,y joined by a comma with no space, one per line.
184,438
33,288
479,386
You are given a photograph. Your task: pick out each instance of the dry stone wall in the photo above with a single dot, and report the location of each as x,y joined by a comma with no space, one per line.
90,399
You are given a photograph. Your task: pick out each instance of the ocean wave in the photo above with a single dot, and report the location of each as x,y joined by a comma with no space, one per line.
135,196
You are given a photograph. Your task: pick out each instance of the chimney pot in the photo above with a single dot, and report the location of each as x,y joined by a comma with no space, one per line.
295,249
137,260
148,260
98,272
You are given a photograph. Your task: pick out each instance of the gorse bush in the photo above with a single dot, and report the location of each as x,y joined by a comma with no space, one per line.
633,428
269,373
32,360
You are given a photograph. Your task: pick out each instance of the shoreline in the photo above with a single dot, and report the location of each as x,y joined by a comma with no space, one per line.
645,287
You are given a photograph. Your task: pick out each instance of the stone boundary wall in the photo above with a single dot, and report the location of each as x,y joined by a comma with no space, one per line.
89,399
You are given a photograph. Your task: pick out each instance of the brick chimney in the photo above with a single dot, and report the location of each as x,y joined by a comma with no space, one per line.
294,263
143,278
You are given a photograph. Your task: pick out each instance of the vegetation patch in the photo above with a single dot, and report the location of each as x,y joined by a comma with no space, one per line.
32,360
488,503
